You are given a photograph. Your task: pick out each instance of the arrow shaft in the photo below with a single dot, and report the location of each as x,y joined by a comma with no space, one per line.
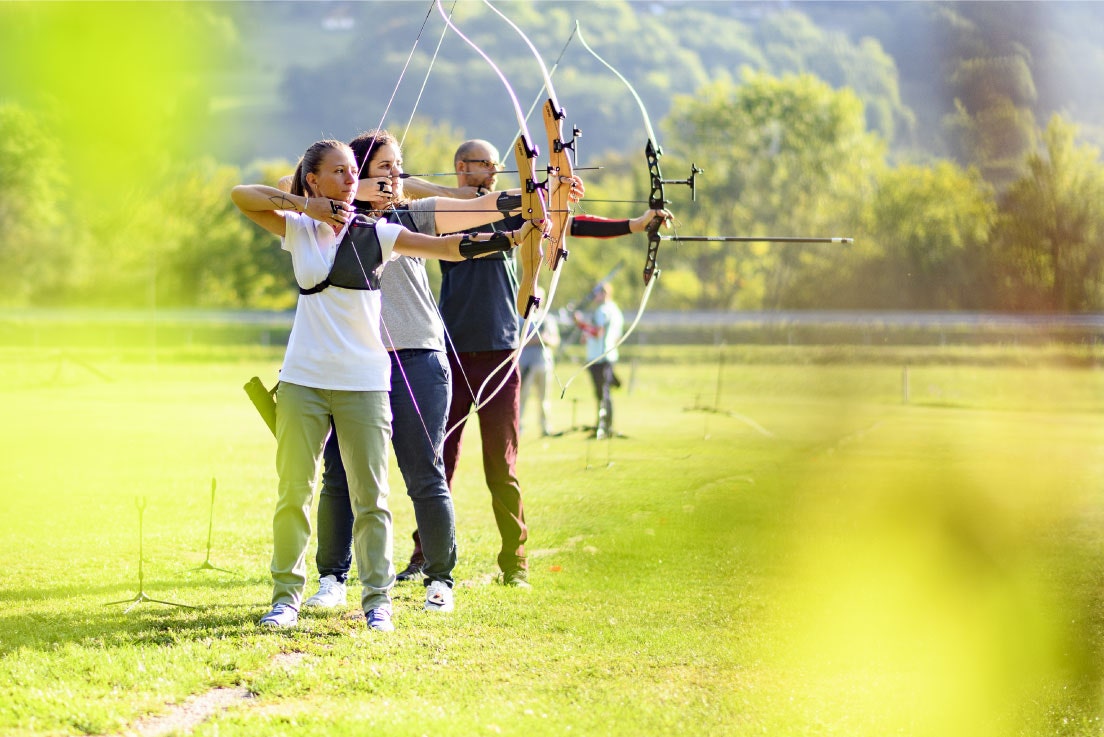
406,175
752,239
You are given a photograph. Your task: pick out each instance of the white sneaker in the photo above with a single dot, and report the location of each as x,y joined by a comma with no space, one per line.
282,615
438,597
380,619
330,594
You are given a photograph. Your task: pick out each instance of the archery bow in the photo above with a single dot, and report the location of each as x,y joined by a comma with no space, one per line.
657,200
534,205
560,166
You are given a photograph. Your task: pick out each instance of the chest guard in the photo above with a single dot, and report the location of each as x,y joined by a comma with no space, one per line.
359,260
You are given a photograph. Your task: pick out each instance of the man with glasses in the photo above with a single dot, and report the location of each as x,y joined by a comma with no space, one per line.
478,306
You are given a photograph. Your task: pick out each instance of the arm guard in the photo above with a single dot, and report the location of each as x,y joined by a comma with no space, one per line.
591,226
507,203
470,249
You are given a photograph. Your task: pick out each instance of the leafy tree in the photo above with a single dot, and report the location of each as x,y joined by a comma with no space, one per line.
1049,248
180,243
922,247
987,92
786,157
793,44
36,257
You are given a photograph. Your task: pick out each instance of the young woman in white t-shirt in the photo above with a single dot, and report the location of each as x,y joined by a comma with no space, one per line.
336,365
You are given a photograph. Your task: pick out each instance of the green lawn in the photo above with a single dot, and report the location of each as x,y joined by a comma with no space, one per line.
817,557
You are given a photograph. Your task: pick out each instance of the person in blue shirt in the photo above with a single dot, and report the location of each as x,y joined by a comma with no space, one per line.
478,306
536,364
601,333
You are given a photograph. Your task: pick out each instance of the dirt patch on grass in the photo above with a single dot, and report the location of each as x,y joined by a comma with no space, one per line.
185,717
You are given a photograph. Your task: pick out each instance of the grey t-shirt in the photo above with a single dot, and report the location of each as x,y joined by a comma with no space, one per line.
409,318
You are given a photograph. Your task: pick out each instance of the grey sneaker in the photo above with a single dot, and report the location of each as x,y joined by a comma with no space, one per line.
380,619
282,615
518,578
412,571
331,593
438,597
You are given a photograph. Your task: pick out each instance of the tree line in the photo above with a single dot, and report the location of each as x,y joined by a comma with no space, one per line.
783,156
969,204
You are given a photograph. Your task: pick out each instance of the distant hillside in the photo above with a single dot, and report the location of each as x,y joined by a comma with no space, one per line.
1063,43
308,69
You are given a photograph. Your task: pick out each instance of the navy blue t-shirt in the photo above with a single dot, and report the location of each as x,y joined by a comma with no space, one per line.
478,298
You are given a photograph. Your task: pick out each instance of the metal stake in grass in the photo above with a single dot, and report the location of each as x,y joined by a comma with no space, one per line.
64,356
141,596
716,406
206,565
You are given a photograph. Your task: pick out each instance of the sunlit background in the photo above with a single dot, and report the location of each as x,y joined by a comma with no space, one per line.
926,560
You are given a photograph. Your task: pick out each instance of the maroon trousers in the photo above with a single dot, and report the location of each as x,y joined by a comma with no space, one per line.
498,427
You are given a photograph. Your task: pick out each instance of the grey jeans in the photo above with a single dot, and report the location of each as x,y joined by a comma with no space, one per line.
363,421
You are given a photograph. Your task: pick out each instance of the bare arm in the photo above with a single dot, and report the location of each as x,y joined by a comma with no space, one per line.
266,206
589,328
452,214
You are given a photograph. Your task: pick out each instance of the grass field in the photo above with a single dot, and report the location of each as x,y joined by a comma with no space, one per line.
815,557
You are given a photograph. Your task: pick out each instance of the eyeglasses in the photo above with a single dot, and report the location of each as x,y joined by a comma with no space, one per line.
486,163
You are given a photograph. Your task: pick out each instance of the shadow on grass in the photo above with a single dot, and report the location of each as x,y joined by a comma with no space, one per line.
97,626
162,588
87,616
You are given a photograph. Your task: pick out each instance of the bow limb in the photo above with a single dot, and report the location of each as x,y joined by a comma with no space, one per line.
560,165
632,90
534,206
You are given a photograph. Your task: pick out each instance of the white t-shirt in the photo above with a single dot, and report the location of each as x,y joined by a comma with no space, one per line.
335,337
608,316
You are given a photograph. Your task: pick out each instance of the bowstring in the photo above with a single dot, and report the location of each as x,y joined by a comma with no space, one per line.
429,70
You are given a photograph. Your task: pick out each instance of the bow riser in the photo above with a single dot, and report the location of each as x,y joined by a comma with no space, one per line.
560,165
532,209
657,200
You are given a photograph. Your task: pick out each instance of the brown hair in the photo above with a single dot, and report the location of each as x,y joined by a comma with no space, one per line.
311,162
366,145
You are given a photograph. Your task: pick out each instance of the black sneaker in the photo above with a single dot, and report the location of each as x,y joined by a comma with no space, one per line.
518,578
412,571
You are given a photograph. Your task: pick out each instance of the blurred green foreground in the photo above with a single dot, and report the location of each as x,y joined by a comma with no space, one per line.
804,553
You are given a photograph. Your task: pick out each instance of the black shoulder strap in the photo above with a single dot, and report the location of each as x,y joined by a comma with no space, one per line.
316,288
358,262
